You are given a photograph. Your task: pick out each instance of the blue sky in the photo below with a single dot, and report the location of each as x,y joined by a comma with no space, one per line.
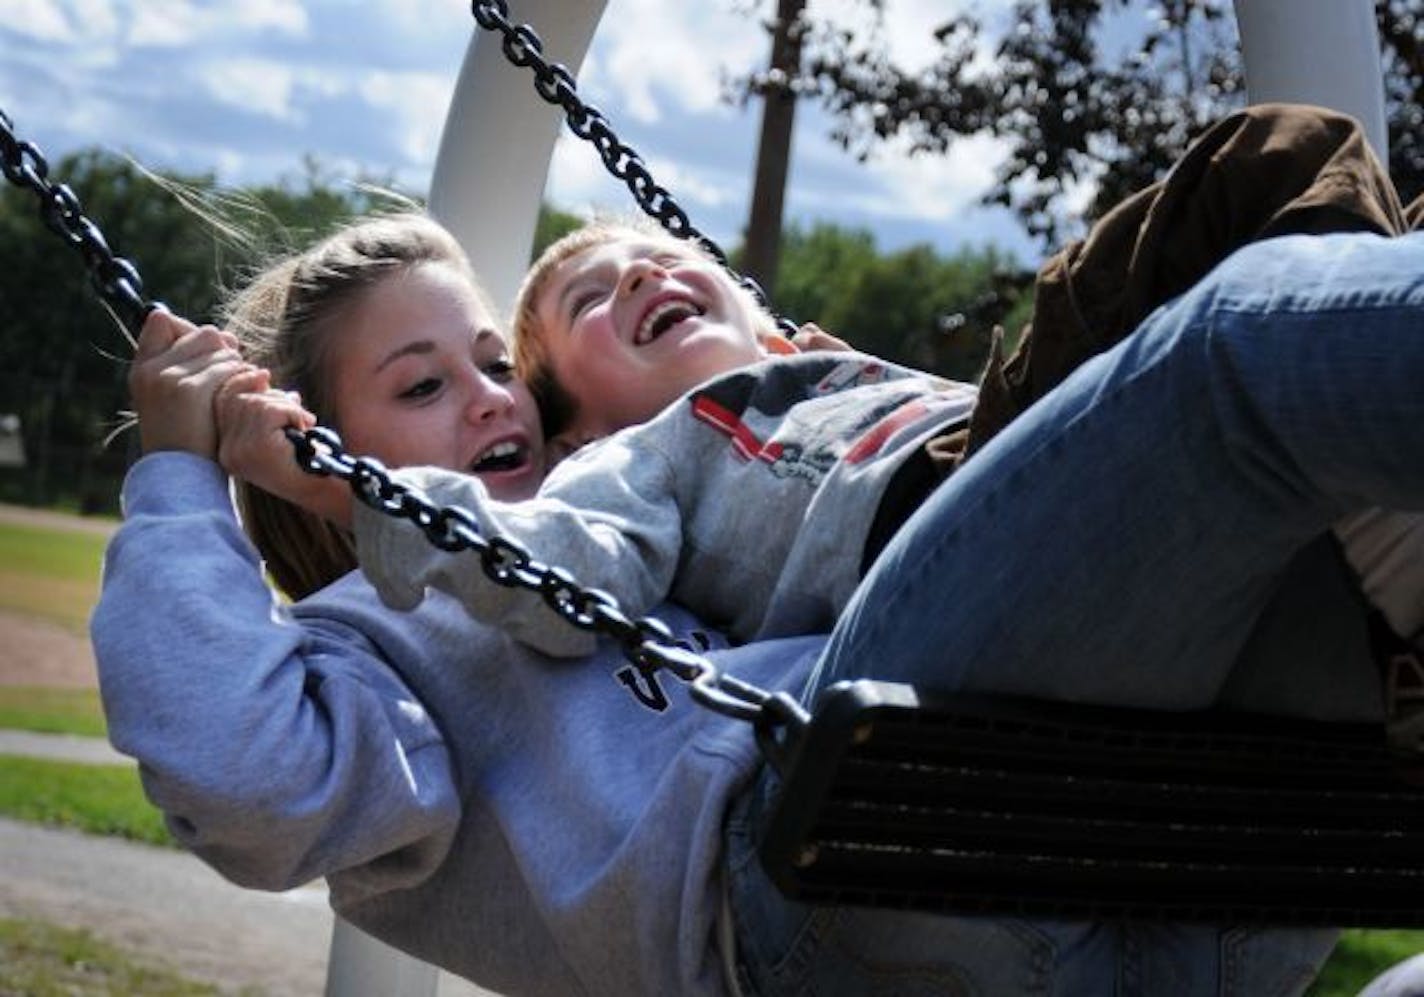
247,89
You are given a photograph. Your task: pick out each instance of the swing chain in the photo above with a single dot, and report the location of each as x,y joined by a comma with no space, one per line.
523,47
648,643
114,278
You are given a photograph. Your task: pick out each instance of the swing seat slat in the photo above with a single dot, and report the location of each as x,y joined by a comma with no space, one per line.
898,797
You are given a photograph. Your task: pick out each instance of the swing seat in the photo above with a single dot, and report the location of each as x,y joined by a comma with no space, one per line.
895,796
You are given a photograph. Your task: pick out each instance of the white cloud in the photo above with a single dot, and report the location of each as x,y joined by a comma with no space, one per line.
660,57
893,184
253,84
38,19
419,100
1079,193
287,16
422,21
76,22
179,23
578,181
690,185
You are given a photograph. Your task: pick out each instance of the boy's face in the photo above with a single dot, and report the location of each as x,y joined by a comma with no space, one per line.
633,323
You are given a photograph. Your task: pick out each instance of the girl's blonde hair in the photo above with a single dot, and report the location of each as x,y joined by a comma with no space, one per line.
286,319
532,357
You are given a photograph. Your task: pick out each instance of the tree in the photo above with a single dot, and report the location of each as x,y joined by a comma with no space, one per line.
551,226
1071,110
913,306
778,115
63,358
1401,28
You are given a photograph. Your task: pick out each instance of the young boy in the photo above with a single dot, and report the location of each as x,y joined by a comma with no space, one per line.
748,494
595,383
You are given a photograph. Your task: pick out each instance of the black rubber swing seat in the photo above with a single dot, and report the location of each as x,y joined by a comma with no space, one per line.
898,797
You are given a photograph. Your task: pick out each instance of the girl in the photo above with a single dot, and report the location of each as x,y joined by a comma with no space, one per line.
418,761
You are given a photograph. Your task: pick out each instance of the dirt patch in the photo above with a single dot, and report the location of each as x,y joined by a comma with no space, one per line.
34,652
57,520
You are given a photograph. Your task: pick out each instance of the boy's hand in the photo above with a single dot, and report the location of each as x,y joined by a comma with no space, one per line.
252,417
812,337
177,370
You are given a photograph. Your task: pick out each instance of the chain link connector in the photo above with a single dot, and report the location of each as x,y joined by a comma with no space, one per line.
563,595
779,728
502,560
454,529
609,619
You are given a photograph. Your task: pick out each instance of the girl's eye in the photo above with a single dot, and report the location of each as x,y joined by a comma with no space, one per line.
500,370
423,388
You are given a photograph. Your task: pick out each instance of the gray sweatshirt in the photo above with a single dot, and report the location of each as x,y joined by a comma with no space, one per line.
518,821
747,501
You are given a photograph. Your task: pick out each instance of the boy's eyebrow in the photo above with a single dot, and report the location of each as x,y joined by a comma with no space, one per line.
571,285
590,272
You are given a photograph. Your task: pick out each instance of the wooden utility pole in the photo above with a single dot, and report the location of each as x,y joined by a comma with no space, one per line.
778,114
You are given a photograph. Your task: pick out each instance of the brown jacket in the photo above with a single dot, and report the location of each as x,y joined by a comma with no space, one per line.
1270,170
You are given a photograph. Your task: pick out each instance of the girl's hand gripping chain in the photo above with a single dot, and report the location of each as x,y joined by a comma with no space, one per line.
177,370
252,419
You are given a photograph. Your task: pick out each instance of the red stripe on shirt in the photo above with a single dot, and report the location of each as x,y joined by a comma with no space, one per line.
745,442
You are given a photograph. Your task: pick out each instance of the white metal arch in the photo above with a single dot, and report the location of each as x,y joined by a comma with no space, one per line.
493,164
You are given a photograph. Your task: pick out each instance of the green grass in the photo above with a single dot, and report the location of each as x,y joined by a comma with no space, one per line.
38,959
50,573
47,710
1360,957
73,555
96,799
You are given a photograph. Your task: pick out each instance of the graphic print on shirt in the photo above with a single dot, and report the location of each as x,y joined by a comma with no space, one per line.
800,430
642,679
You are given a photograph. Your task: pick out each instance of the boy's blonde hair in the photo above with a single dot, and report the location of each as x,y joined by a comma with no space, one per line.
533,359
286,318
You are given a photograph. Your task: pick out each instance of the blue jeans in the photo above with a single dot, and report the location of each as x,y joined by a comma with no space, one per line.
786,948
1117,544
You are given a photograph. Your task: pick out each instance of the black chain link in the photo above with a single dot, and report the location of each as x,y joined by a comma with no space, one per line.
114,278
647,643
523,47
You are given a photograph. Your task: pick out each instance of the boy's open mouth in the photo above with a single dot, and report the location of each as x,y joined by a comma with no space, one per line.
504,456
662,317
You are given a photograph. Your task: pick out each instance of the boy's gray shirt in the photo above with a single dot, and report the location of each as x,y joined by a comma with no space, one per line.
748,501
519,821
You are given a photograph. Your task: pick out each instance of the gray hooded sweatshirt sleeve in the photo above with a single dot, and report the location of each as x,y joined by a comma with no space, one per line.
522,822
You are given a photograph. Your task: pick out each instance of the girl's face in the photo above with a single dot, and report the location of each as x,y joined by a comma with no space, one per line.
633,323
422,376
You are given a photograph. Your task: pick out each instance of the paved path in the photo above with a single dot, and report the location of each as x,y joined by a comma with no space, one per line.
169,906
62,747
